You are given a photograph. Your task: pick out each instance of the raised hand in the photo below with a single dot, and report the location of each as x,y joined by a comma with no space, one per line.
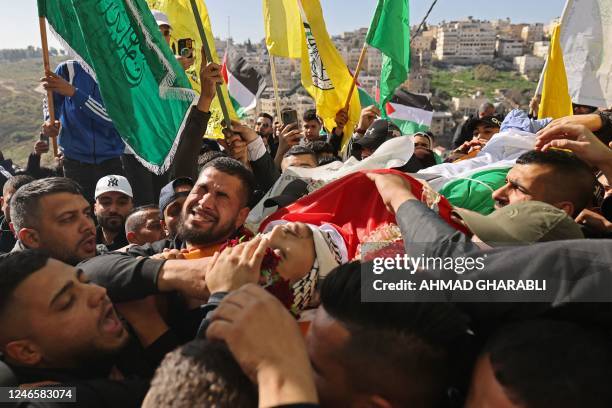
236,266
55,83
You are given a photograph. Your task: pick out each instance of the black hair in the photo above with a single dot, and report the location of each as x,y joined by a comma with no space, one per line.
547,363
299,150
209,145
574,179
310,114
234,168
428,135
15,267
208,156
14,183
201,373
267,116
136,218
326,160
320,146
25,201
413,339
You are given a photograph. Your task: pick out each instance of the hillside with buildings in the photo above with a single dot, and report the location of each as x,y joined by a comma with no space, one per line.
459,64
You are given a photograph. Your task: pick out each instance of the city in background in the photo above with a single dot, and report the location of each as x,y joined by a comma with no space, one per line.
458,64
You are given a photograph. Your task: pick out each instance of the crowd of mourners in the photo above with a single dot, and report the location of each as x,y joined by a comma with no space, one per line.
152,290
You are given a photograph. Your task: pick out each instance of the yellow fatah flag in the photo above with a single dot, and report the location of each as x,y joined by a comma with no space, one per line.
283,26
183,24
556,102
324,73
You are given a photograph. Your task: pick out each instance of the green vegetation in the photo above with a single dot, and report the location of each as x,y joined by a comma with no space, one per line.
462,81
21,107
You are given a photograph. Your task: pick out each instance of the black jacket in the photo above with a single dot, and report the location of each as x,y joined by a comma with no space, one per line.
577,271
464,132
186,159
93,386
7,238
130,277
266,173
119,242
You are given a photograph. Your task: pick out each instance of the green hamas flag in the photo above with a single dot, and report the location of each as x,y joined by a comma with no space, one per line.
390,33
145,91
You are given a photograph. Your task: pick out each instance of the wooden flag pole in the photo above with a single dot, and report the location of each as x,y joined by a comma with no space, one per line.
275,85
356,75
208,54
47,66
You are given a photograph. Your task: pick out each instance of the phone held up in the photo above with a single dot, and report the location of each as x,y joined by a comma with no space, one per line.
289,117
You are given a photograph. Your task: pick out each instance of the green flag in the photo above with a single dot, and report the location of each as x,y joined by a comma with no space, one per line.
365,98
390,33
145,91
474,192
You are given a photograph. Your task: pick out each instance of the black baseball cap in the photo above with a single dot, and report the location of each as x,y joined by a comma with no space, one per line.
168,194
378,133
491,120
291,193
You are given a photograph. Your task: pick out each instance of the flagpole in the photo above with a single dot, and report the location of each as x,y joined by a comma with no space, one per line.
275,86
356,75
208,54
47,66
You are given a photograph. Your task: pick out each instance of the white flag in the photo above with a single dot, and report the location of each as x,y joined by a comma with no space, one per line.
586,38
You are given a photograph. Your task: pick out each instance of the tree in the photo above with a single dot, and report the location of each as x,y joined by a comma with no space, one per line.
485,73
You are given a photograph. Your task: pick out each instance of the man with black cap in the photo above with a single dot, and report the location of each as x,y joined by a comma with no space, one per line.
465,130
171,199
483,130
378,133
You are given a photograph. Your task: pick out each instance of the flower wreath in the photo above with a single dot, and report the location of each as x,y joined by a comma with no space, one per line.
269,277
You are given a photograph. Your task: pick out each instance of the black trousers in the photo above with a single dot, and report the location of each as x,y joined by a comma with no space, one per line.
145,184
87,174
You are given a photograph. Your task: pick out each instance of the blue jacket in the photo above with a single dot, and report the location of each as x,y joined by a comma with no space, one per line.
87,134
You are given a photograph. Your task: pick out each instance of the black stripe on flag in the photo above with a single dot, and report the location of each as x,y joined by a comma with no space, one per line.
403,97
246,74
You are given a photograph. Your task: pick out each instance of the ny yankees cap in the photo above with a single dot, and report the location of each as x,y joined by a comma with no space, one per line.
113,183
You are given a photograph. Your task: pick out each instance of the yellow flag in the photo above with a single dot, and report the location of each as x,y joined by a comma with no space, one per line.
283,25
182,21
556,102
324,73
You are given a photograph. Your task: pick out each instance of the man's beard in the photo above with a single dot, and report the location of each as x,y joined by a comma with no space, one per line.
96,359
111,223
212,235
67,255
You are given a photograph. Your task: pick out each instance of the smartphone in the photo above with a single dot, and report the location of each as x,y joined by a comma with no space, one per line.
289,117
44,138
185,47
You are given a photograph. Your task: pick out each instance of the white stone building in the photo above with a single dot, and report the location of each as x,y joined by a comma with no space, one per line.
540,49
528,63
466,42
468,105
533,33
509,48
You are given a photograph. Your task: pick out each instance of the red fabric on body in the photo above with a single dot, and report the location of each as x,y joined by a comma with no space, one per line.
353,206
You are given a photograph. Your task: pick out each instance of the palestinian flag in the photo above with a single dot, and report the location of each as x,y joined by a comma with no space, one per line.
410,112
245,84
